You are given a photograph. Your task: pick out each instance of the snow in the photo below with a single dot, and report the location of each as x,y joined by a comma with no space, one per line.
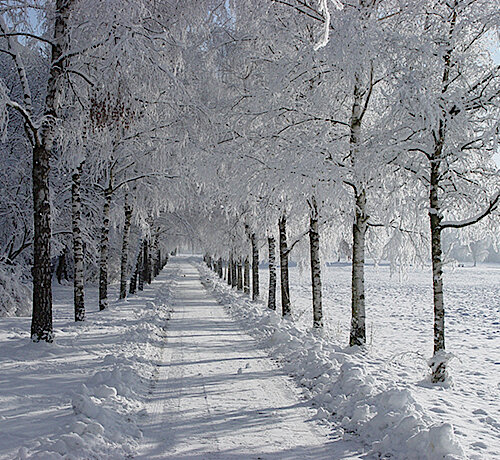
380,394
219,396
82,396
179,371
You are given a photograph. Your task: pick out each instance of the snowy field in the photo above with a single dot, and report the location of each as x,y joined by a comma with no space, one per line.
399,328
85,396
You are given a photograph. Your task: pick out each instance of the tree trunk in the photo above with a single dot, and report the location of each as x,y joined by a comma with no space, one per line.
315,265
125,242
255,267
358,318
239,267
438,366
146,262
135,274
41,321
159,262
286,308
271,300
140,264
62,267
219,267
230,271
154,254
104,250
246,278
78,273
234,273
438,363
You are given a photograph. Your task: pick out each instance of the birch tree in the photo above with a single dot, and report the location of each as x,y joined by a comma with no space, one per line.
41,136
451,126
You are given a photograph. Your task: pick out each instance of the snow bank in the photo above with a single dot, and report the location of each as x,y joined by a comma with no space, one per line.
340,384
100,375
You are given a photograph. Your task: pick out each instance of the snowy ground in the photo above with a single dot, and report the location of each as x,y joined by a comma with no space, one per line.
400,316
169,373
396,400
83,396
219,396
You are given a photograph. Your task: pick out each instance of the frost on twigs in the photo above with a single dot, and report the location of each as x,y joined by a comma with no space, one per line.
323,8
15,296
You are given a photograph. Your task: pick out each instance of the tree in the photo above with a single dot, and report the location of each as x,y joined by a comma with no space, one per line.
41,139
451,114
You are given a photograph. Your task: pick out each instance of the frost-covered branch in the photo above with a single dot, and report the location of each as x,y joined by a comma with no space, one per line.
291,246
26,116
492,206
27,34
20,69
82,76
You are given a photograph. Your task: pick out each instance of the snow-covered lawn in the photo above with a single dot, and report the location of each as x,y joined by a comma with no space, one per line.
82,396
382,394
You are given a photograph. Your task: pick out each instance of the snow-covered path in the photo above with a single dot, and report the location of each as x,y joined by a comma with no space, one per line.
217,396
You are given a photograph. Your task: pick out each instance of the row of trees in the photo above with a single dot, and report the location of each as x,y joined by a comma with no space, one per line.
389,129
243,124
94,99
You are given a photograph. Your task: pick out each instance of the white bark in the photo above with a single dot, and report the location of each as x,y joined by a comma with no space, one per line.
315,264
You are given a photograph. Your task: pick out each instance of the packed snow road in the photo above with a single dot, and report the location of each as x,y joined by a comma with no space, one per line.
217,396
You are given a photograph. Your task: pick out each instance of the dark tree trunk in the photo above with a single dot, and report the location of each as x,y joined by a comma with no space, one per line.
271,300
136,281
135,275
219,267
255,267
234,273
230,271
286,307
41,321
315,265
78,273
125,242
154,254
62,266
146,262
158,265
246,277
239,268
104,250
140,263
